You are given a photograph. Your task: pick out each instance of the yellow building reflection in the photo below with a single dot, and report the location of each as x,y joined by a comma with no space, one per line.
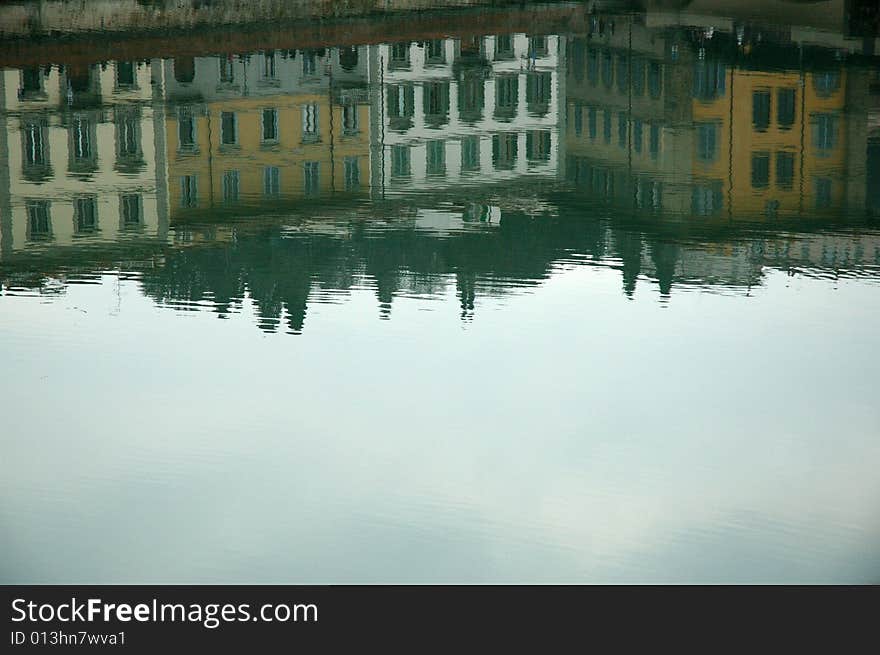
696,124
769,143
266,129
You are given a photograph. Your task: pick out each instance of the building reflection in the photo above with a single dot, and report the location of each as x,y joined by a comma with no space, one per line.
265,129
80,156
666,120
480,109
677,153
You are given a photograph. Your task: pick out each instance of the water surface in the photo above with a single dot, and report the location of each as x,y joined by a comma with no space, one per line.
592,305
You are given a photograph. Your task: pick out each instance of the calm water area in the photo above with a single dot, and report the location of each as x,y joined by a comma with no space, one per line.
524,294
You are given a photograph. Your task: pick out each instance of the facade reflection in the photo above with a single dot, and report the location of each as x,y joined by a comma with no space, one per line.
467,110
82,156
269,128
678,153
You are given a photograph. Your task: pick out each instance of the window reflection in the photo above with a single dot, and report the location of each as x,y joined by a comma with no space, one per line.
400,161
129,151
189,191
826,84
607,69
707,141
312,178
655,79
538,46
436,157
231,186
638,76
506,96
85,215
348,58
352,173
706,198
184,69
504,150
470,154
435,52
350,118
760,170
593,66
125,74
131,211
538,92
271,181
401,105
228,128
399,56
39,225
186,129
709,79
227,70
784,170
36,166
436,103
471,97
504,46
269,126
760,110
82,144
785,107
310,123
824,127
538,145
31,84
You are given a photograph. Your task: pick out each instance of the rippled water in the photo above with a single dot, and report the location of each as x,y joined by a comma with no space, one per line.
517,304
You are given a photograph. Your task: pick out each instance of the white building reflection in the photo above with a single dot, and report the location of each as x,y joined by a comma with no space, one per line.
82,153
461,111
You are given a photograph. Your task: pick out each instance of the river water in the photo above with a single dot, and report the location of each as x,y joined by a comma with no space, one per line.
529,306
